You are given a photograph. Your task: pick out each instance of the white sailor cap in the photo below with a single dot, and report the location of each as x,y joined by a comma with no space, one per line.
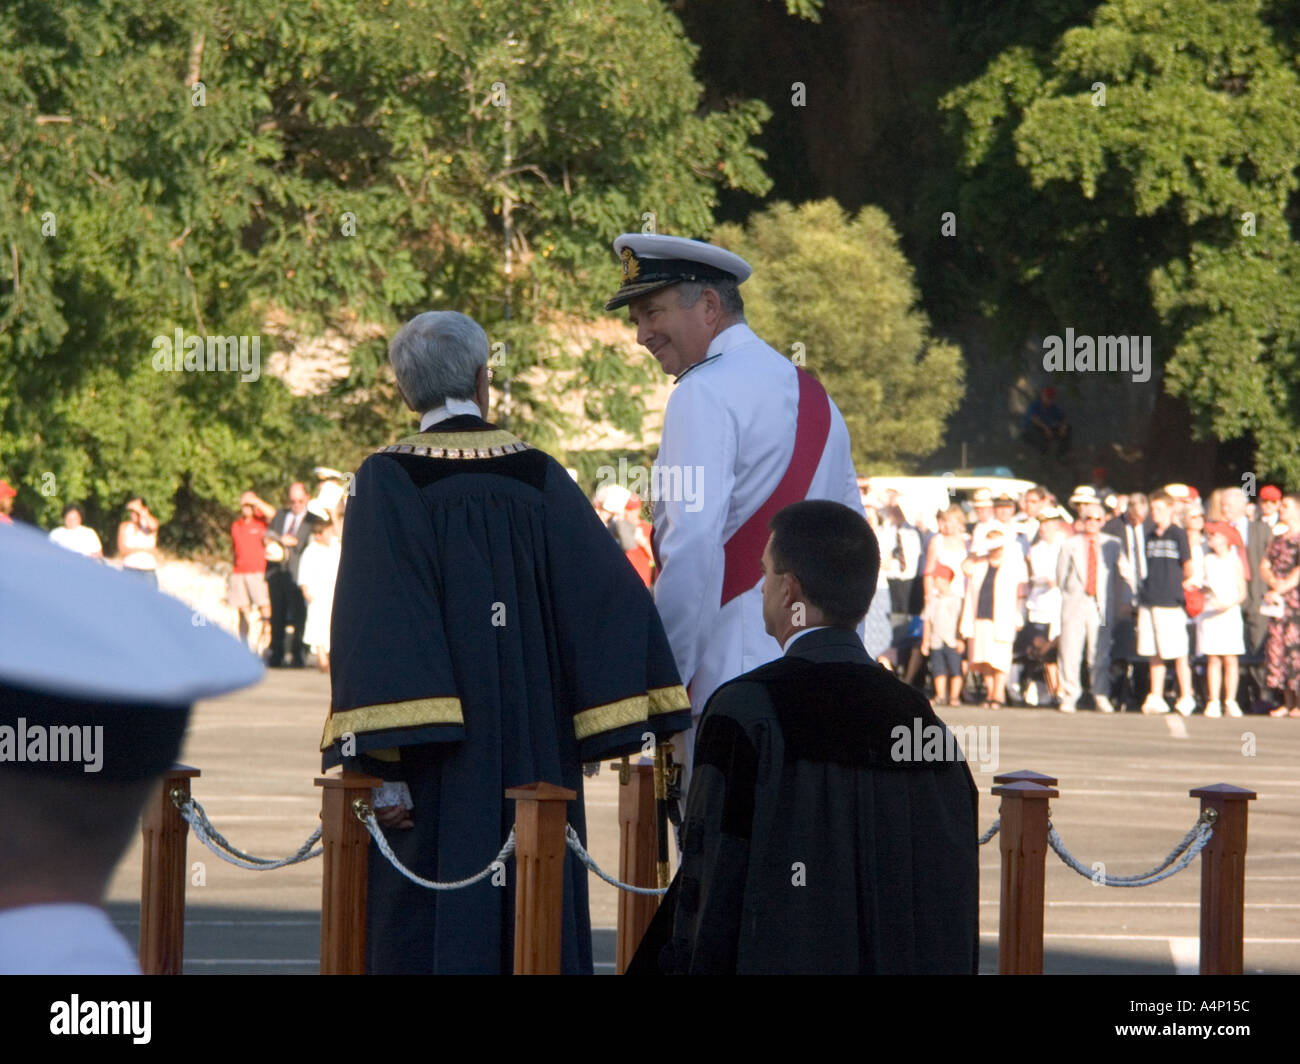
650,261
319,509
83,645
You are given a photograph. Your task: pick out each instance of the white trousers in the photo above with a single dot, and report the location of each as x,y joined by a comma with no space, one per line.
1082,630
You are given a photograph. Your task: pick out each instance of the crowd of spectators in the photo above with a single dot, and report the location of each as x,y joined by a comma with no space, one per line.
281,586
1029,600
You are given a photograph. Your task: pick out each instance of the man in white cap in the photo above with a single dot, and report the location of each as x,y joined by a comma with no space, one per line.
747,429
97,676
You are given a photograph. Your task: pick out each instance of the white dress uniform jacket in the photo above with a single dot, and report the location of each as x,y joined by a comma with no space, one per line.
729,433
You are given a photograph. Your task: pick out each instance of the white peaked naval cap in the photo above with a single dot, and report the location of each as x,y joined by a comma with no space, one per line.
73,628
650,261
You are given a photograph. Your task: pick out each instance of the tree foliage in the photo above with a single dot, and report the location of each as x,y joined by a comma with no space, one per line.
1138,175
332,165
837,294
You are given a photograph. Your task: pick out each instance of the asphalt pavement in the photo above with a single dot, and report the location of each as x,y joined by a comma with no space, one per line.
1124,782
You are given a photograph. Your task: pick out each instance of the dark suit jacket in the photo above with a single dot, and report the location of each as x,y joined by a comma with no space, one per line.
811,844
292,555
1258,536
1117,526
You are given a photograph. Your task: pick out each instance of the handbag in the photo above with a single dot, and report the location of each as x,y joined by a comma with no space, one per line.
1194,599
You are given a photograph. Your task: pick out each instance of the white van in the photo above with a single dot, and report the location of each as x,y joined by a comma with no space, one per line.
923,497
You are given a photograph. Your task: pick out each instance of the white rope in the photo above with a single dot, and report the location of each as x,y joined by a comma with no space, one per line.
211,838
575,844
1190,846
498,863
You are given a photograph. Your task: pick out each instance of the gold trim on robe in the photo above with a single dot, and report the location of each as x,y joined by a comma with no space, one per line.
491,443
635,710
412,714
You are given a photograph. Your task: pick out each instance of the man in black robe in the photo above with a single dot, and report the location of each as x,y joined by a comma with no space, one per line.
487,633
814,843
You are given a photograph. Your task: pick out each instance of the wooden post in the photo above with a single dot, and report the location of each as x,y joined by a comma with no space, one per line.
541,812
1023,841
637,857
346,842
162,883
1223,878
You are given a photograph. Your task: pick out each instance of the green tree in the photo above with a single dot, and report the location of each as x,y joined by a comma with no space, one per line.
331,166
836,294
1138,175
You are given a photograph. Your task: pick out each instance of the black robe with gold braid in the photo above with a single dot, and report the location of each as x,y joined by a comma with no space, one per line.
487,633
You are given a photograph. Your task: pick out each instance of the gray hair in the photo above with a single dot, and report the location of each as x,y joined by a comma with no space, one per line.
733,306
436,356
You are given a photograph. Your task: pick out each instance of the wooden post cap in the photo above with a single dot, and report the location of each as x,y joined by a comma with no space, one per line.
1026,775
541,792
182,772
1026,790
1225,791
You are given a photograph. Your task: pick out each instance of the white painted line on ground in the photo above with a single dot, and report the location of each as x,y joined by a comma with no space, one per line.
313,962
1148,904
225,818
237,922
1186,953
1177,727
313,799
1072,791
1154,938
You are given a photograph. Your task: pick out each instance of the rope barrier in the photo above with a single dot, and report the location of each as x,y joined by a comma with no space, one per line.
993,830
575,844
376,833
1189,847
197,819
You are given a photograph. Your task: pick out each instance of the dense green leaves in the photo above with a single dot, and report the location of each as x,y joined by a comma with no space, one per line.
1138,175
294,170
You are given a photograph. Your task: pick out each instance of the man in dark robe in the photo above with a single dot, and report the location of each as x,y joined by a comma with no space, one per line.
819,838
487,633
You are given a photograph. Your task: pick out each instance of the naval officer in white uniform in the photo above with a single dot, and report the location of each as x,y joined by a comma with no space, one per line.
97,675
745,433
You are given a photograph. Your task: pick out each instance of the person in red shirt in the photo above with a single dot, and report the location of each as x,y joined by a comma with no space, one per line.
246,589
7,495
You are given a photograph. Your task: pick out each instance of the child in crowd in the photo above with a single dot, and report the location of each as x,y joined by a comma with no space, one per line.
940,638
1219,625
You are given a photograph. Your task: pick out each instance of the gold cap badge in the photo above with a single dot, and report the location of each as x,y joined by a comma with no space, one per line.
631,268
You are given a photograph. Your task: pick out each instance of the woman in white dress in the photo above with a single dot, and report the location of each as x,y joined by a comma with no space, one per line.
318,569
1219,624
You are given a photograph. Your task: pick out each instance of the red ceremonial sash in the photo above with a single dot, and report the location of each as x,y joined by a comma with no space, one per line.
744,550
